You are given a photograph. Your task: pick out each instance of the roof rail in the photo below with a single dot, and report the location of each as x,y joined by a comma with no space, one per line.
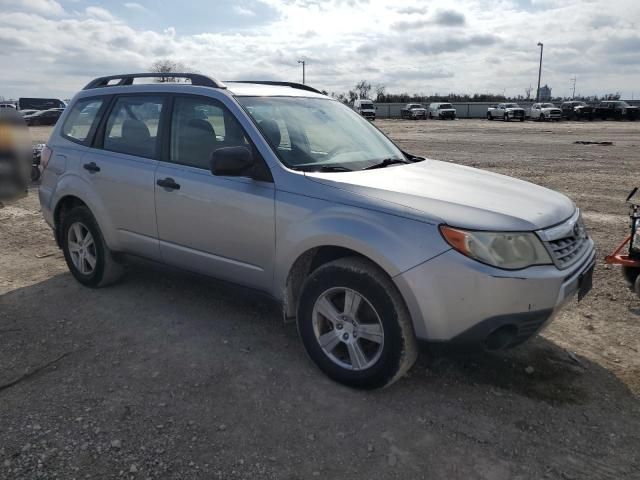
127,79
299,86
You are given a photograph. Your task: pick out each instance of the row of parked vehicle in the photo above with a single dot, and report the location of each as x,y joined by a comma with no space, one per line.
38,111
571,110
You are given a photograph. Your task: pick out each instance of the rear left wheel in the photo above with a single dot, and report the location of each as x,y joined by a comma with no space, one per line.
354,324
89,259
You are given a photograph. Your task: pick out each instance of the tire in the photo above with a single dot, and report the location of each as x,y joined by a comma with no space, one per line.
105,270
636,286
522,119
542,119
372,364
35,173
430,116
489,117
505,117
631,274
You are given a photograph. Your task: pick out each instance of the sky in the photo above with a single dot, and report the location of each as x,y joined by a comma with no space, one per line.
54,47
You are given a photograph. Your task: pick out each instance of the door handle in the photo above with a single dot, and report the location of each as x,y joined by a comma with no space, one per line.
169,183
92,167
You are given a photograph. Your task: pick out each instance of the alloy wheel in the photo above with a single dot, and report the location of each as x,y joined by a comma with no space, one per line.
348,328
82,248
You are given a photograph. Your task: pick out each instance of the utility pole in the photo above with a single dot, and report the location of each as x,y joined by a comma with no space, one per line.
573,82
303,64
541,45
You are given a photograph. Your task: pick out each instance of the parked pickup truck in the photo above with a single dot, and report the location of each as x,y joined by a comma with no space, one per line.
414,111
545,111
506,112
577,110
617,110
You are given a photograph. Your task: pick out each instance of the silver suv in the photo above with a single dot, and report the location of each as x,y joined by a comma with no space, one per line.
279,188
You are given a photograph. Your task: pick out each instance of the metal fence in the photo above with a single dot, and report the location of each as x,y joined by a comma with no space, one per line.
463,109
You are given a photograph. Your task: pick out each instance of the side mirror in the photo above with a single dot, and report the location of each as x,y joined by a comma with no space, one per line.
232,161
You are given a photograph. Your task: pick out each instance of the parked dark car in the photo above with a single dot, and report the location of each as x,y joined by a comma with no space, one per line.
617,110
39,103
44,117
577,110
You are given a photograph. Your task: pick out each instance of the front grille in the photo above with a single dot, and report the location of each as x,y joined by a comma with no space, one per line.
567,242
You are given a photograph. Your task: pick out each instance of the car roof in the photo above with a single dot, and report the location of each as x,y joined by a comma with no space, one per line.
200,84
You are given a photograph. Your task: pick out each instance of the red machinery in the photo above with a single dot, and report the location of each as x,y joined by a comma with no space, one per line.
629,258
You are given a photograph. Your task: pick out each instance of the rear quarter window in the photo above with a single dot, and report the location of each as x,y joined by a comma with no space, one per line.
81,119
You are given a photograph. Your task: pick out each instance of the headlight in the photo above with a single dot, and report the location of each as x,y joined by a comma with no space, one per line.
511,251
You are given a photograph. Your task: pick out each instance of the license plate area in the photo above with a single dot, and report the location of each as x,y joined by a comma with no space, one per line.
585,282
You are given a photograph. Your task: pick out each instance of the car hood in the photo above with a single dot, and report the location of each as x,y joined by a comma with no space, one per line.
550,109
442,192
446,109
419,109
514,108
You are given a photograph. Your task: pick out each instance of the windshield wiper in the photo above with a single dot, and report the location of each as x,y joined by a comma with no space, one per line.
385,163
327,168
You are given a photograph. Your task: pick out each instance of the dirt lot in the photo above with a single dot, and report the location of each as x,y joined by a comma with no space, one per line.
172,376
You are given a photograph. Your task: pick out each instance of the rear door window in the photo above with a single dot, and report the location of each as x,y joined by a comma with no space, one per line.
133,125
82,119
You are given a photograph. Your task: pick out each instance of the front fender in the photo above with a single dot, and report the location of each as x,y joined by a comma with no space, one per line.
394,243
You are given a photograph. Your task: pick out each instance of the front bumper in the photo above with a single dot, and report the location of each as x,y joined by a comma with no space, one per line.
447,115
453,299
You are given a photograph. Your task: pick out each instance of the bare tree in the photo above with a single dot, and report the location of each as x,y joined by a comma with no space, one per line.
352,96
167,65
363,88
380,90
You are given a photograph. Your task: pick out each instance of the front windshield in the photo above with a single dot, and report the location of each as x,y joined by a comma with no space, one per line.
547,105
445,105
511,105
367,106
316,134
415,105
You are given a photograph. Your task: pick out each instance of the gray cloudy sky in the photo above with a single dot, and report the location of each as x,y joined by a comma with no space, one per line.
53,47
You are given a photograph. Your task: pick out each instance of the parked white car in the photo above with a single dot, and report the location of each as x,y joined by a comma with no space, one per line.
365,107
442,111
506,112
545,111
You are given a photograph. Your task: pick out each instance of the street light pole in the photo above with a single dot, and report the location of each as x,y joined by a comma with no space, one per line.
303,63
540,44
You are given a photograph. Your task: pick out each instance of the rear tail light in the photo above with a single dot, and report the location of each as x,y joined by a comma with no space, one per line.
45,156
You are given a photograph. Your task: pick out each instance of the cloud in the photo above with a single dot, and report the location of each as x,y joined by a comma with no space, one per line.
412,10
454,44
412,24
99,13
240,10
449,18
56,52
135,6
48,8
443,18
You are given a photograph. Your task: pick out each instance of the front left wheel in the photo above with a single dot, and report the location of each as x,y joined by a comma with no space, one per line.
87,255
354,324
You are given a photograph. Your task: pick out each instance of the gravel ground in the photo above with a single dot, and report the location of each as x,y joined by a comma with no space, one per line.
168,375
